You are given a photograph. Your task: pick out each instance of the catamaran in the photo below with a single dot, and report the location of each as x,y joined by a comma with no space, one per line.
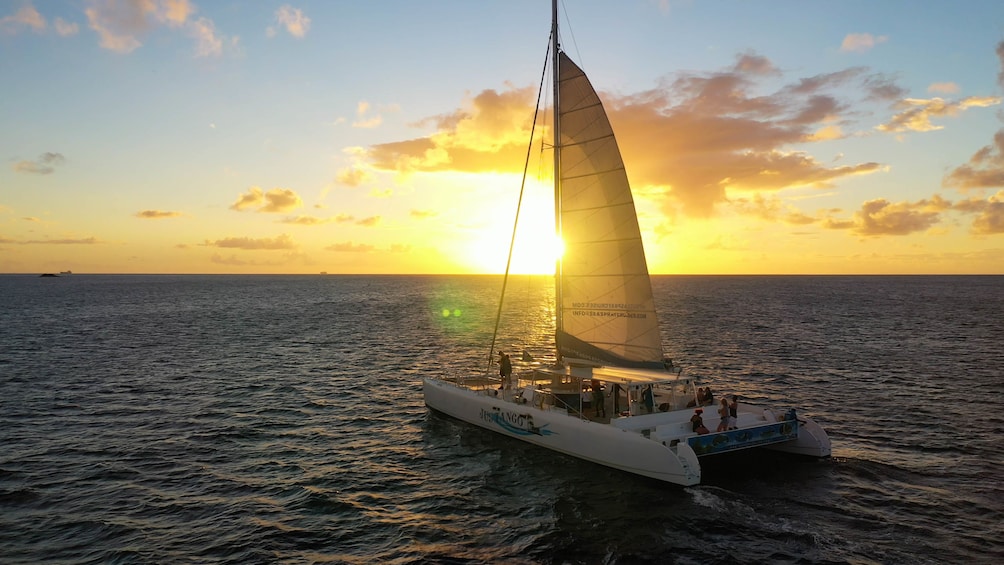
611,397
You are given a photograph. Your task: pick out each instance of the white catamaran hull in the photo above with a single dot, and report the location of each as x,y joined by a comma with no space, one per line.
584,439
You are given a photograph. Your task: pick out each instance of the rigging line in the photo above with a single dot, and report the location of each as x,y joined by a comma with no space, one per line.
519,205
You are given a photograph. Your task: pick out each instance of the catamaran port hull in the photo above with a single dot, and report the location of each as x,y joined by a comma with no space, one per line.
592,441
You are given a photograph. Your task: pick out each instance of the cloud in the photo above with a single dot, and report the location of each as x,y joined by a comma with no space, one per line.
157,214
369,222
84,241
44,165
697,136
422,214
772,209
1000,57
488,134
350,247
26,17
364,121
246,243
880,217
120,23
985,168
917,113
944,87
861,42
353,176
292,19
277,200
207,43
990,213
304,220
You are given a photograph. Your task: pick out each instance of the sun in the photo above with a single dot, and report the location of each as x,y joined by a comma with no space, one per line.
536,247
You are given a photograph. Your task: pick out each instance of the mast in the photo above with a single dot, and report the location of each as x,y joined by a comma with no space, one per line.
559,325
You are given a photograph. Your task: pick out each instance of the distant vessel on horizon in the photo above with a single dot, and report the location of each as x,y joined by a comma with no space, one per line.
65,272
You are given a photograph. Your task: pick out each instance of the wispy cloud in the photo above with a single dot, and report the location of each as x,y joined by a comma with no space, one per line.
304,220
350,247
944,87
292,20
120,24
157,214
26,17
861,42
66,241
45,164
281,242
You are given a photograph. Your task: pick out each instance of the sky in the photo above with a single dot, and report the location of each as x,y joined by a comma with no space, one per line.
390,136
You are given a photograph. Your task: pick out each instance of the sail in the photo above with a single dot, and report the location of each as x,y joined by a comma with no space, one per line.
607,311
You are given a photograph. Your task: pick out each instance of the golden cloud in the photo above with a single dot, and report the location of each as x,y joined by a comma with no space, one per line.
353,176
917,113
698,136
489,134
277,200
990,213
880,217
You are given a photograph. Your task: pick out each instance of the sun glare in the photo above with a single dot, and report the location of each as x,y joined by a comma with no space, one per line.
536,248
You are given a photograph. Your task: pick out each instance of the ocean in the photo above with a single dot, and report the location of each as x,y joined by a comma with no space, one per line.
279,419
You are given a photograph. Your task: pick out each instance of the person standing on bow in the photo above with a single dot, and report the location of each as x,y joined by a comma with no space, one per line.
505,369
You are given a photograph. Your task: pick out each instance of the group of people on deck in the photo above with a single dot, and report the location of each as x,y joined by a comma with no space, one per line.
728,412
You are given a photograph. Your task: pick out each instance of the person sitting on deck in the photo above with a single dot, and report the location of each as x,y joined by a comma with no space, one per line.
697,422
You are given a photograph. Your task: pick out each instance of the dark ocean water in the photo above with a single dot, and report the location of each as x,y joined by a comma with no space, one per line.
266,419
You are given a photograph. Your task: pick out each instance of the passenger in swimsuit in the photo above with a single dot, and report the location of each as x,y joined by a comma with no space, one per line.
723,412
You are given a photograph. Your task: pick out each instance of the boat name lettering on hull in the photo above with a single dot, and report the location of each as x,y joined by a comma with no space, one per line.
513,422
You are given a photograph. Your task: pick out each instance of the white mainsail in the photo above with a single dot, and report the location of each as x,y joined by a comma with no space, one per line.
607,311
